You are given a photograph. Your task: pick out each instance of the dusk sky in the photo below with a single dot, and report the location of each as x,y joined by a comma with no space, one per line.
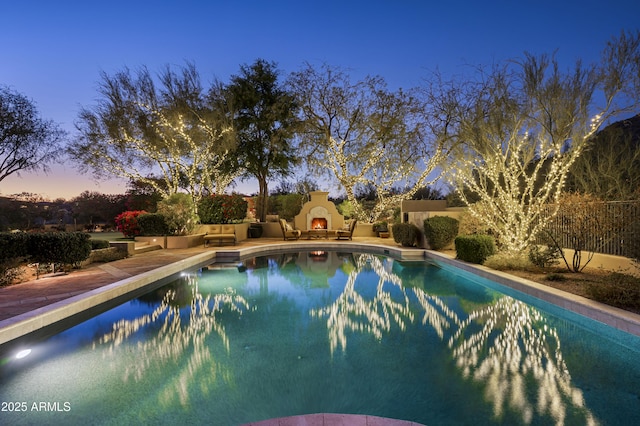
53,51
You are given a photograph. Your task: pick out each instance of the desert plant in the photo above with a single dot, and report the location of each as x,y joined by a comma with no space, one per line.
180,213
621,290
152,224
406,234
508,261
127,222
544,257
554,276
584,226
440,231
474,248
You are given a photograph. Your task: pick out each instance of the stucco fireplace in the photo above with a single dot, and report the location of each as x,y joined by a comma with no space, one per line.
318,213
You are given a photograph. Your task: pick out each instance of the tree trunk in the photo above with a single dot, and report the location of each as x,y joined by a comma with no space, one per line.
262,199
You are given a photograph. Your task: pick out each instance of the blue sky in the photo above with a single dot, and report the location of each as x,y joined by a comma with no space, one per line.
54,51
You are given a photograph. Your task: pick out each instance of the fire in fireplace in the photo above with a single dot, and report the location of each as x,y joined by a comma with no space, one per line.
319,223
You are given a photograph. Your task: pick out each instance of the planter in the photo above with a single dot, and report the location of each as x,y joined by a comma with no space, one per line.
184,241
383,234
255,230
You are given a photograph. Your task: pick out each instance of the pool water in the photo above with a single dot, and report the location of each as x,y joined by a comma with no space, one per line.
310,332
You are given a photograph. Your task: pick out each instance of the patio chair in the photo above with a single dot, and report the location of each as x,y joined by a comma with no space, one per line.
288,233
346,232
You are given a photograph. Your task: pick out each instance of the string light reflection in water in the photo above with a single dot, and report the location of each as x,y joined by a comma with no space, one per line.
355,333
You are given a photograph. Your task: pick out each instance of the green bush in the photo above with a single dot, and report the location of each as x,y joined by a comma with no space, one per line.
222,209
13,245
474,248
546,257
621,290
99,244
440,231
68,248
406,234
180,213
152,224
287,206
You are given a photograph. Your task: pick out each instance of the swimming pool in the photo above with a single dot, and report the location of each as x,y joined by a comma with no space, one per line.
325,331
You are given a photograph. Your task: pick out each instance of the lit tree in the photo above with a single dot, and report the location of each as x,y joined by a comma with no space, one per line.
521,128
27,142
364,135
138,130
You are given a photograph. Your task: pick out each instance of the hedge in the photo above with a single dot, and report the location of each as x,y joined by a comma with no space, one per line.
59,247
440,231
222,209
406,234
474,248
13,245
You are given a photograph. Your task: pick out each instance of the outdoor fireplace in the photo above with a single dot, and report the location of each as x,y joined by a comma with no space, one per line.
318,214
318,223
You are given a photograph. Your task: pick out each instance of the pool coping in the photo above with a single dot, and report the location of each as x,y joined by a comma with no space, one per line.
16,327
614,317
333,419
38,319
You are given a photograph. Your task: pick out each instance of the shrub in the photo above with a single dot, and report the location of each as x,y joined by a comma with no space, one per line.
287,206
180,213
440,231
406,234
152,224
222,209
621,290
554,276
13,245
127,222
108,254
10,271
506,261
474,248
99,244
546,257
68,248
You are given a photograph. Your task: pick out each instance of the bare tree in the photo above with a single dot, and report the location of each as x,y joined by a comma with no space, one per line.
140,131
364,135
27,142
520,127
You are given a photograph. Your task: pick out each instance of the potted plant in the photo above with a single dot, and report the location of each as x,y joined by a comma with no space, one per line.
381,229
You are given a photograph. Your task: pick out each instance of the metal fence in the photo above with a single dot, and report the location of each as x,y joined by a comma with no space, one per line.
607,227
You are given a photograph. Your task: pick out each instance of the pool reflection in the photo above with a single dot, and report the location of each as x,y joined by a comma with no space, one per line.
176,337
506,346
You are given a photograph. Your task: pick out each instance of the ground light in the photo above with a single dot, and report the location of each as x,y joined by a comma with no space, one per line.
23,353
